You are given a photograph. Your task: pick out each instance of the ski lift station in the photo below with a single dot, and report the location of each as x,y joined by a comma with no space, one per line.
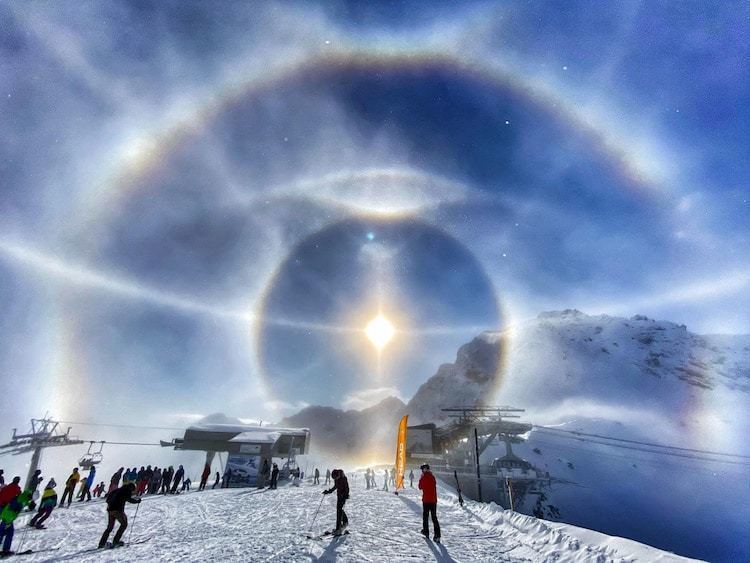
246,446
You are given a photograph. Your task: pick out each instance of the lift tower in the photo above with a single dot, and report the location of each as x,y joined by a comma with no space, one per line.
45,433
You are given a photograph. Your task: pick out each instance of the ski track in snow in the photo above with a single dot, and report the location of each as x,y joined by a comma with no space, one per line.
264,525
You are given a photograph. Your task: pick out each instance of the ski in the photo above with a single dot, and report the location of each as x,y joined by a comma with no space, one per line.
28,552
326,534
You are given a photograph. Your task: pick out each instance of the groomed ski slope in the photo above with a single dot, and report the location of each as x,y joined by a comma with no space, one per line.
263,525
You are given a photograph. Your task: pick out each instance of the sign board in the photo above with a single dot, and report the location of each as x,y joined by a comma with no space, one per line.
243,470
420,442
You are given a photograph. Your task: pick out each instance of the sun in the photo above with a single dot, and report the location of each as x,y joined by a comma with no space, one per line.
380,331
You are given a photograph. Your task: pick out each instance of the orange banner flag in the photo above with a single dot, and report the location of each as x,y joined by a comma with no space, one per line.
401,453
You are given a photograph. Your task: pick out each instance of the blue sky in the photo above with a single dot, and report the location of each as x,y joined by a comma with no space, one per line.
187,193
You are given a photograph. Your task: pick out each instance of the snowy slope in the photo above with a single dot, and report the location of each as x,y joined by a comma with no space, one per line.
252,525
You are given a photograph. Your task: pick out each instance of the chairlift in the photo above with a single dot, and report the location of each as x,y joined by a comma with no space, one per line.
92,458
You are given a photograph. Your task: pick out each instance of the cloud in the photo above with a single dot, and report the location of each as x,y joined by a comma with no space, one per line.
368,397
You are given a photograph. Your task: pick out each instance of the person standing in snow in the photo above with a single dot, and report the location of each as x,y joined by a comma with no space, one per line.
46,505
166,480
341,486
204,477
186,485
8,515
10,491
328,476
33,485
116,513
141,479
114,481
274,476
428,486
87,484
216,483
177,478
70,485
316,478
263,474
226,478
385,479
393,477
155,481
411,478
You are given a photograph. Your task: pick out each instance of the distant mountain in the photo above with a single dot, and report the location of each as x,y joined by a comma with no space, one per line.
351,434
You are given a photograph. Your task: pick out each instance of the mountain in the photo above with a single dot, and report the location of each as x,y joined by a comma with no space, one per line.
470,381
351,434
637,379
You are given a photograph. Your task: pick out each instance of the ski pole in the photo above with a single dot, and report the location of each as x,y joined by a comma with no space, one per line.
316,514
23,536
137,506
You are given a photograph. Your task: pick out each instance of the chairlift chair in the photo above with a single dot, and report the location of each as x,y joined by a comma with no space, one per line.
91,458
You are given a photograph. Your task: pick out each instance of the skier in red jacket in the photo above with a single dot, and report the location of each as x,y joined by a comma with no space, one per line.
429,502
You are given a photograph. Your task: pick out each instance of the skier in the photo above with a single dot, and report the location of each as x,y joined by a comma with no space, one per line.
33,485
385,479
341,486
70,485
87,484
274,476
204,477
155,481
142,478
428,487
225,479
10,491
114,481
328,476
8,515
216,483
265,472
46,505
186,485
316,478
411,478
166,480
116,513
177,478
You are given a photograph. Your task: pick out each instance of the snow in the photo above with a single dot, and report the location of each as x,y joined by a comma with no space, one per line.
265,525
241,428
257,436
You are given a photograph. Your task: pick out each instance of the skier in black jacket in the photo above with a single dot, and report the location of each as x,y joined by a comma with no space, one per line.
177,478
341,486
116,512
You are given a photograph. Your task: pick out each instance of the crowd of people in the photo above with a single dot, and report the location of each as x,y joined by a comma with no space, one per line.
129,485
125,485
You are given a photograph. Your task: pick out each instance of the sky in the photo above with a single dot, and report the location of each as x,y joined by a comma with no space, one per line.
202,205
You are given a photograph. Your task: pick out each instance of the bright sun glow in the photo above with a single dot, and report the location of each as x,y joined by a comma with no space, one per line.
380,331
